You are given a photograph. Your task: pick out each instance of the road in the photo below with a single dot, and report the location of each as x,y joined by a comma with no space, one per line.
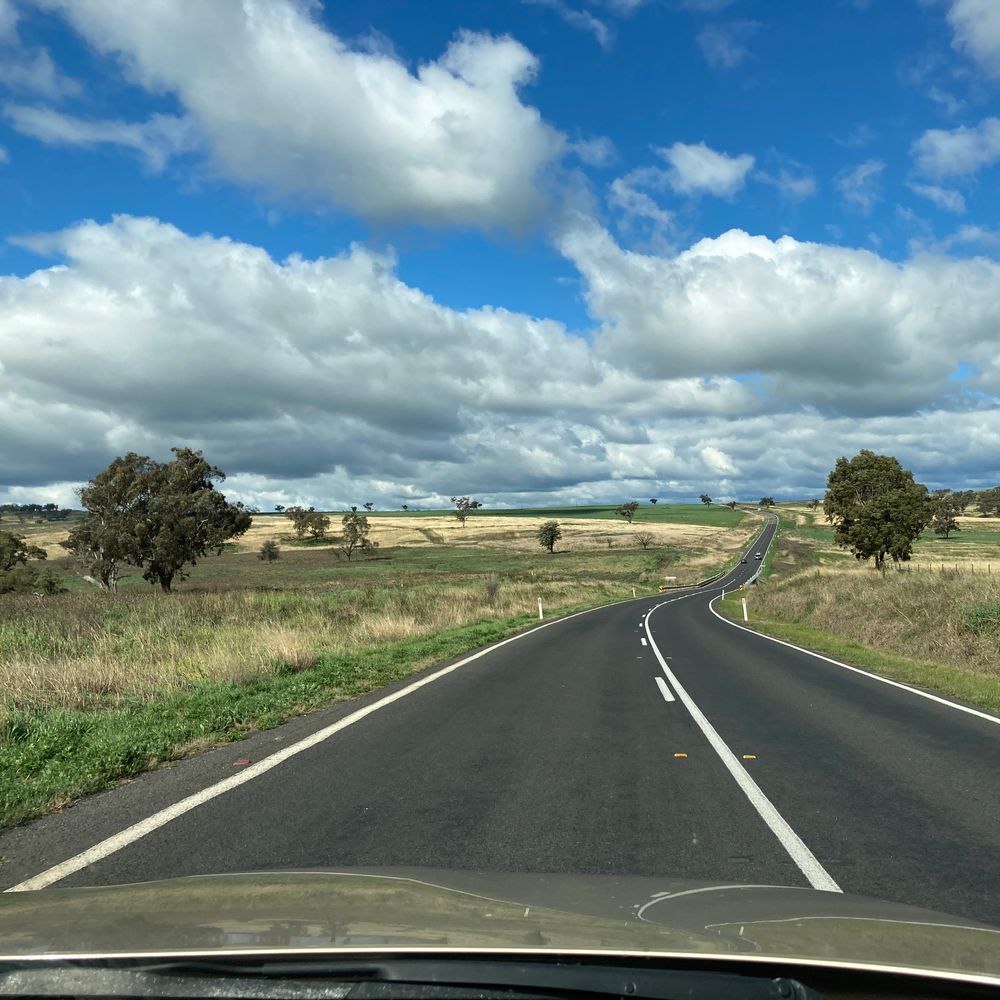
559,751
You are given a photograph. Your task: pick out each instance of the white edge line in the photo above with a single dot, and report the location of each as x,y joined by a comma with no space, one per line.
815,873
137,831
875,677
664,690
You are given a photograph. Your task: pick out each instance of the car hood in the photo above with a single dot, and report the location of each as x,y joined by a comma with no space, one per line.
392,910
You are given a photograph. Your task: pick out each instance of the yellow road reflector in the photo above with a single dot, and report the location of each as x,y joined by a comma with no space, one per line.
680,754
749,756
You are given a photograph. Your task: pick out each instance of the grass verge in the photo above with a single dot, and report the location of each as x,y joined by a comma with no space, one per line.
48,757
957,682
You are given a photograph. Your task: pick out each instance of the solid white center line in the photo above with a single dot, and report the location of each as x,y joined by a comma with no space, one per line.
664,690
818,876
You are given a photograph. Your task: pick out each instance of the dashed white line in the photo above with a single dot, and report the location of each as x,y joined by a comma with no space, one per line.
805,860
642,639
664,690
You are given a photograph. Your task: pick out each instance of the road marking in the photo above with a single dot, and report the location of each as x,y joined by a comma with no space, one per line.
113,844
642,639
664,690
684,755
817,875
875,677
749,756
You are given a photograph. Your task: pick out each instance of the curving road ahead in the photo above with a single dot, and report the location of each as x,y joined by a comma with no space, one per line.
647,738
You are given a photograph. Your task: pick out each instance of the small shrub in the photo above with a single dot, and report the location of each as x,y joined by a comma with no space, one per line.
644,538
982,618
269,551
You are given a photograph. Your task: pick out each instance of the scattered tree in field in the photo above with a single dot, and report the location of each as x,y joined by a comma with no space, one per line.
766,502
309,522
279,508
316,525
943,515
653,501
731,505
354,509
548,534
705,499
354,537
15,550
17,575
813,504
463,505
106,540
988,502
404,507
159,516
369,506
644,538
627,510
876,508
962,499
294,514
269,551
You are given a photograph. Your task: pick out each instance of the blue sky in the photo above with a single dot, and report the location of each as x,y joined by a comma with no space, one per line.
553,250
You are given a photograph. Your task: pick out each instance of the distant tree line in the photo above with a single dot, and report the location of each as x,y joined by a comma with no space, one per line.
35,511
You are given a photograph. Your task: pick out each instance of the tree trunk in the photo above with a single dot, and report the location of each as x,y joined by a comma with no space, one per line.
165,580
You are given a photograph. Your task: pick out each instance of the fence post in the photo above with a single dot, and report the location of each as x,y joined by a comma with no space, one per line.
633,591
539,608
743,600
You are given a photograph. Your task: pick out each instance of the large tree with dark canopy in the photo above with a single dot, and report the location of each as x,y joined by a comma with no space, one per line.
876,508
159,516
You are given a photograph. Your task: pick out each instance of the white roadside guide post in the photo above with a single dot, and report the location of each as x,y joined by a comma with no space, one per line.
539,608
743,601
633,591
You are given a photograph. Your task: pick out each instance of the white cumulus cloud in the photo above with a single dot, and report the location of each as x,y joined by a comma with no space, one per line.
285,105
839,329
976,27
958,152
739,365
697,169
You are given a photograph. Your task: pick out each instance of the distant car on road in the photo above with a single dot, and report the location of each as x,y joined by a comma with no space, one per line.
758,556
743,560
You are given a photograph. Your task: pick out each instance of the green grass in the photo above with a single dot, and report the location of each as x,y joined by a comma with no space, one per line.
969,687
939,631
49,757
94,688
678,513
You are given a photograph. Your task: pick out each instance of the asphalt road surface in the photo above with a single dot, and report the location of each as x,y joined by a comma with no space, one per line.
645,738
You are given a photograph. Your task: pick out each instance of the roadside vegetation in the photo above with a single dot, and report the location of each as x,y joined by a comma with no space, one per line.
268,615
927,613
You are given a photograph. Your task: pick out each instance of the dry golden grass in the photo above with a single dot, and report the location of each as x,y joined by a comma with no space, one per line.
518,534
238,618
83,649
921,614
